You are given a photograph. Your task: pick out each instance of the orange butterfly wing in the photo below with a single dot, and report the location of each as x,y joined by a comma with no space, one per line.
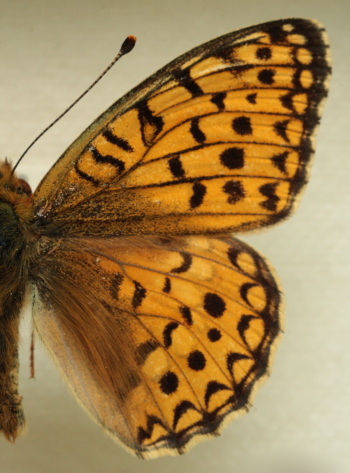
217,141
162,339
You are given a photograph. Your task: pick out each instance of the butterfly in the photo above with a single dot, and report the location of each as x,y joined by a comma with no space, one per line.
161,322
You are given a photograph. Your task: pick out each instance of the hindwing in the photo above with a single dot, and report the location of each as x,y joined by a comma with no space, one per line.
160,339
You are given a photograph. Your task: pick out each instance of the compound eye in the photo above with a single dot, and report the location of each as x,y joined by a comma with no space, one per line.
25,187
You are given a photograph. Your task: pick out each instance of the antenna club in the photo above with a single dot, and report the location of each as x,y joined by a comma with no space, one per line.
128,45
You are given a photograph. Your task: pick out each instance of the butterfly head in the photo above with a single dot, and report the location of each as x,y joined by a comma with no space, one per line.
15,211
9,180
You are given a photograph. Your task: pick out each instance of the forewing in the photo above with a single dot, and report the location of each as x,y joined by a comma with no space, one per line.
161,340
219,140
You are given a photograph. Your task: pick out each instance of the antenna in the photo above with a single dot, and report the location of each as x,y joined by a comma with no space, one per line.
126,47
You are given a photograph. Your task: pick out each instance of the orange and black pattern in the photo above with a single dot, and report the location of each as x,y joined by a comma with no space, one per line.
218,140
161,322
202,315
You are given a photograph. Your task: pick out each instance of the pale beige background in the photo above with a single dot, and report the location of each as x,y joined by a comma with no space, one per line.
50,51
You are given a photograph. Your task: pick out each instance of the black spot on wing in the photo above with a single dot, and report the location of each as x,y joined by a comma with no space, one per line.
99,158
199,190
167,333
280,128
244,289
263,53
175,167
116,140
269,191
146,434
252,98
214,305
232,254
169,383
196,132
242,126
232,358
214,334
212,388
186,314
243,325
279,161
185,265
235,191
151,125
287,101
183,78
266,76
196,360
139,295
181,409
167,286
218,100
85,176
232,158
